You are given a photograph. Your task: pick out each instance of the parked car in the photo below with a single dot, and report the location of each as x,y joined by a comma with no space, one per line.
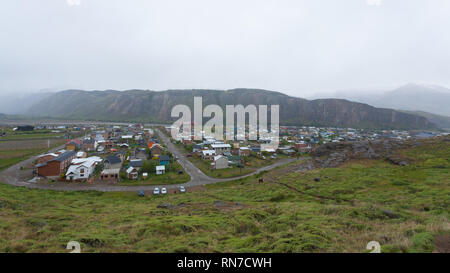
189,155
141,193
182,189
156,191
163,191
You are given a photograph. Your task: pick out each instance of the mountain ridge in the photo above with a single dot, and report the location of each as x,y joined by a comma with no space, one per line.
155,106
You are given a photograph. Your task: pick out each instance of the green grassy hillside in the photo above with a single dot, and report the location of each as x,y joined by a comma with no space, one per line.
406,209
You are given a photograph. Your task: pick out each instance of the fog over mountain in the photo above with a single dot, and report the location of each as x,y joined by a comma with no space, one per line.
434,99
13,103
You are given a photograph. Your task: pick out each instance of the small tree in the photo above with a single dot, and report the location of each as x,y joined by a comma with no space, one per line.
148,167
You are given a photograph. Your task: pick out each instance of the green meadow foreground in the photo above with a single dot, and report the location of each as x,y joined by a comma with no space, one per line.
405,209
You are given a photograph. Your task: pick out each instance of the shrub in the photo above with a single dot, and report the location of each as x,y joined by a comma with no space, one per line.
422,242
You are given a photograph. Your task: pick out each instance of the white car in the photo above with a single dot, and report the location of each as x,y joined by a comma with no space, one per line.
156,191
182,189
163,191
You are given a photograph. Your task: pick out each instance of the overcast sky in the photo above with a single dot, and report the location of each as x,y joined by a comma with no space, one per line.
298,47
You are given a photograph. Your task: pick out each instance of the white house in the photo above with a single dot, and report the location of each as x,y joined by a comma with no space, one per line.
82,168
221,148
208,154
160,169
220,162
127,137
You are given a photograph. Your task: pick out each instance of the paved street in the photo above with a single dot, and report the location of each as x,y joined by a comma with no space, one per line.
11,175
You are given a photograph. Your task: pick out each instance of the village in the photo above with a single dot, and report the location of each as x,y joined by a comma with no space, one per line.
123,155
135,155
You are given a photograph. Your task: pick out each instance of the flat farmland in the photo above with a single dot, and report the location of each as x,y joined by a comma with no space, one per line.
14,151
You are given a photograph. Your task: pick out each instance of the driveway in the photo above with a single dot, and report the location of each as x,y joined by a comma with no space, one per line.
12,175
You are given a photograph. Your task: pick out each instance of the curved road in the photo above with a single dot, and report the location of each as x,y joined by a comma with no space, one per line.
198,178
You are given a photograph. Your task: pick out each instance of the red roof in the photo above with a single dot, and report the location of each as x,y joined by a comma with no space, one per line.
75,141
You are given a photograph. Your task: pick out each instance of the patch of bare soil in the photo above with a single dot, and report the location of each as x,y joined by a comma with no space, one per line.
228,206
442,243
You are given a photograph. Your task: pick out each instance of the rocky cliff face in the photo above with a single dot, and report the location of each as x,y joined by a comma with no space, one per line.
150,106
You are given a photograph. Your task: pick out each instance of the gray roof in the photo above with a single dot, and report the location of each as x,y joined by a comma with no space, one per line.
112,159
136,163
88,141
61,157
164,158
64,156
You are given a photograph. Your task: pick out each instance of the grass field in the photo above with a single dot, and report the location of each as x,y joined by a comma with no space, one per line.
36,134
170,177
406,209
31,136
234,171
12,152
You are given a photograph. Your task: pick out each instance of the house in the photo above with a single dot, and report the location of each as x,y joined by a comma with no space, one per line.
121,155
235,149
244,151
220,162
136,163
160,169
112,162
208,154
100,149
302,147
124,146
141,153
156,150
256,149
221,148
197,148
234,159
24,128
73,145
270,150
45,157
132,173
82,168
99,137
88,145
288,152
56,166
299,145
164,160
110,174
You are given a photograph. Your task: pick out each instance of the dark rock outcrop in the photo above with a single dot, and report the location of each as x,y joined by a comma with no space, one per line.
334,154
